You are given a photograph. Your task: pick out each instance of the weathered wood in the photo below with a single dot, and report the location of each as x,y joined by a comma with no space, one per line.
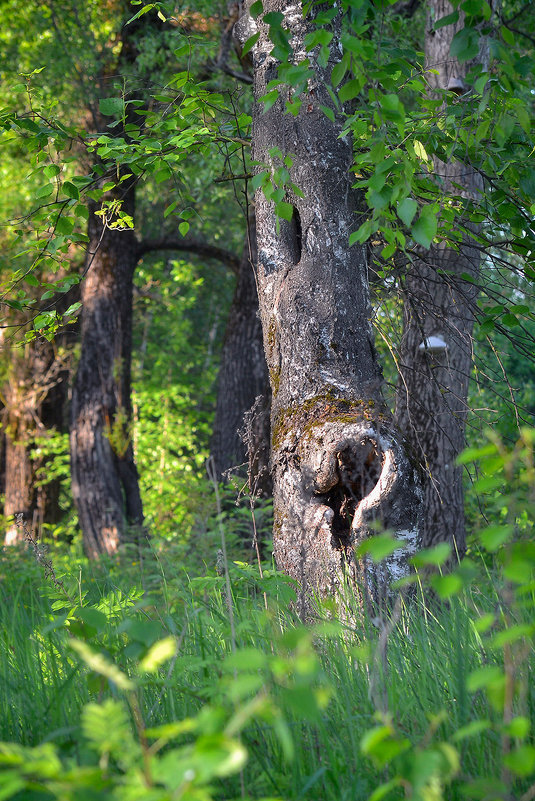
337,462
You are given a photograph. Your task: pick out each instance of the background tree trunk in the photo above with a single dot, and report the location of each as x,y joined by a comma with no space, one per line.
337,463
104,476
432,391
243,378
34,398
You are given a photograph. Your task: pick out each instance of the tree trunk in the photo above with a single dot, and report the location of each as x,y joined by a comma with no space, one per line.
34,399
436,348
243,378
104,476
337,462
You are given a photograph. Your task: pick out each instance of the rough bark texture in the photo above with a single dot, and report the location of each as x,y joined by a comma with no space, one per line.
337,463
34,398
104,476
243,378
432,392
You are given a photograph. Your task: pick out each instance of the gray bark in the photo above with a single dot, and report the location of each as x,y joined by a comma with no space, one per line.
337,461
432,391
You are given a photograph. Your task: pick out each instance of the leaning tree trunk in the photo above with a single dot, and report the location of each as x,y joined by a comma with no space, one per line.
436,350
337,462
243,382
104,476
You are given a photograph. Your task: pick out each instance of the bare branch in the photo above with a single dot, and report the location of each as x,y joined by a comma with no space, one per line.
190,245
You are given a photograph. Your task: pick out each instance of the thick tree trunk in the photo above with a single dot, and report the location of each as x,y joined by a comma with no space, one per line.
104,475
243,378
436,348
34,400
337,462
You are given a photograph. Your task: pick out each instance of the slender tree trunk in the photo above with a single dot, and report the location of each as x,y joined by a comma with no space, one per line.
104,476
243,378
436,348
337,462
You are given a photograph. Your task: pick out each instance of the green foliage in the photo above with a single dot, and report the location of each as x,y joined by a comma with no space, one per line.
130,679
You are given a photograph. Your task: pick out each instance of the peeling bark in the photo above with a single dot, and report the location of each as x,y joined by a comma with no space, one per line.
338,465
432,392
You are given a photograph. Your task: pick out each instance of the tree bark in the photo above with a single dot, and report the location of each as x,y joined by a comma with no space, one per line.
440,294
338,465
104,475
242,379
34,398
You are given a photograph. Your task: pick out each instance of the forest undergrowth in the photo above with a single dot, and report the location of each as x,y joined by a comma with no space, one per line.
156,676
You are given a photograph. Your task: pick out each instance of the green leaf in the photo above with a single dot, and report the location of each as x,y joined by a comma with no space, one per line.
73,308
521,761
465,44
70,190
161,652
65,226
493,537
183,228
507,35
256,9
170,209
339,70
446,586
44,320
406,210
51,171
425,227
250,43
284,210
350,90
449,19
436,555
101,664
379,547
484,677
111,106
362,234
274,18
93,617
471,729
511,634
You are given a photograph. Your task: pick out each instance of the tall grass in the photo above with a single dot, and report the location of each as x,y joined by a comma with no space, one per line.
326,683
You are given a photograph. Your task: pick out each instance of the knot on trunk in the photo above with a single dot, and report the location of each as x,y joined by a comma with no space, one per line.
356,478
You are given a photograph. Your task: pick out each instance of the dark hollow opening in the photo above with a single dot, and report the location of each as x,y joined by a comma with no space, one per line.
359,468
292,236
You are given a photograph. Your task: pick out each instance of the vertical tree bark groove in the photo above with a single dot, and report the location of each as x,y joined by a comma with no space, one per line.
432,391
104,476
243,378
34,399
337,462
